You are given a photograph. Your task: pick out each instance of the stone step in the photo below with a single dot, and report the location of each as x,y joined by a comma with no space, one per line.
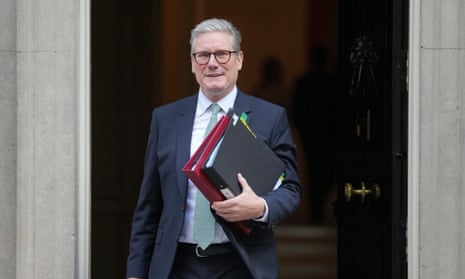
307,252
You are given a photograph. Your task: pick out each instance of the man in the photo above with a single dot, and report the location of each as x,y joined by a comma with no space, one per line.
163,241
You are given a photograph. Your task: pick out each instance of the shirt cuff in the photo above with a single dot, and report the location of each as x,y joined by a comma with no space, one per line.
264,218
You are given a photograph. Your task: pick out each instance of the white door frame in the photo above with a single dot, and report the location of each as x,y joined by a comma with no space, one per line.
414,80
83,191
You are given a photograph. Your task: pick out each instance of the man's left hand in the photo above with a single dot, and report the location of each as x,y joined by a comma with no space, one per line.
244,206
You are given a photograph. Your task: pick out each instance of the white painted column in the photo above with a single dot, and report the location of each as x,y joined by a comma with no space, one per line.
83,146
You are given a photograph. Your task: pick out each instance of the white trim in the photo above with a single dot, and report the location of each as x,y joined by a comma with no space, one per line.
414,80
83,192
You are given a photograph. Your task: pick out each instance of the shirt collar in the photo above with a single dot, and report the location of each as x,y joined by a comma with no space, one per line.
225,103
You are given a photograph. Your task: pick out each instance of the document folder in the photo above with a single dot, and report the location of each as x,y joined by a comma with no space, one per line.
193,168
240,151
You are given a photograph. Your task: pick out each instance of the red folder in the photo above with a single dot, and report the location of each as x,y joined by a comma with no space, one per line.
193,168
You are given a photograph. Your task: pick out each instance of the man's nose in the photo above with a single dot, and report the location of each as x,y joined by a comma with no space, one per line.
212,60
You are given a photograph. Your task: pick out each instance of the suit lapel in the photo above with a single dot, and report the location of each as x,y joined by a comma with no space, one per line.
184,123
242,104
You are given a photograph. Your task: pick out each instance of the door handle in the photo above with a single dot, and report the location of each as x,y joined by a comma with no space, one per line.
350,191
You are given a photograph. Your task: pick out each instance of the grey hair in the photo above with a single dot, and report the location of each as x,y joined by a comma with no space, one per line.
219,25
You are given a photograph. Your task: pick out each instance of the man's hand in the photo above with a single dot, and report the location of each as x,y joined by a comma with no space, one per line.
245,206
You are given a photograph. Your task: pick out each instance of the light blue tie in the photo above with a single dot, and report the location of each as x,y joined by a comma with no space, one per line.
204,223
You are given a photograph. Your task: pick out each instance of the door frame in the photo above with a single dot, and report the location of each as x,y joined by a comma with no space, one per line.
83,152
83,142
414,84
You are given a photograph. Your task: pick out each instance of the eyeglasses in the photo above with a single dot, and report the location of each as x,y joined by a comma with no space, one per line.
221,56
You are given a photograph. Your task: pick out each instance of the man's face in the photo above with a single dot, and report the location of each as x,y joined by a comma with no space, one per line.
215,79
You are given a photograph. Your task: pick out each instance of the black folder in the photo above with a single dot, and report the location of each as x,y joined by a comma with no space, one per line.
240,151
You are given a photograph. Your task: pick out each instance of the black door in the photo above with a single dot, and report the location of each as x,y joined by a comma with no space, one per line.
371,162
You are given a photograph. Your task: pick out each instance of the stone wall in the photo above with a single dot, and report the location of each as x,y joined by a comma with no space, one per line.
7,139
46,138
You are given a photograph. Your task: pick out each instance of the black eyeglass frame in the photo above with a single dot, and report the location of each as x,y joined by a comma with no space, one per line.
229,52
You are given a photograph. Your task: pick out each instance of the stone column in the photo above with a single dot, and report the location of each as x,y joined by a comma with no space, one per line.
46,138
442,140
8,139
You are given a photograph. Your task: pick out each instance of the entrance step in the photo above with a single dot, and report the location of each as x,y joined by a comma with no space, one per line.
307,252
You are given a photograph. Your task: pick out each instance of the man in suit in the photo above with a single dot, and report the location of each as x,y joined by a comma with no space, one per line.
164,240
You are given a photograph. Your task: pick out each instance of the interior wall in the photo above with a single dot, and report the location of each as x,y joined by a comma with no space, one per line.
176,78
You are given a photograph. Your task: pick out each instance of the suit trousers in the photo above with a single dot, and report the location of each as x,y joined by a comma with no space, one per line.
187,265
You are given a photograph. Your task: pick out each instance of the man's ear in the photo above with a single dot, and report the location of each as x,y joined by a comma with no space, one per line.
240,59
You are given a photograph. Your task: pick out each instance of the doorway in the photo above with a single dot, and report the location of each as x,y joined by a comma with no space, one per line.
131,74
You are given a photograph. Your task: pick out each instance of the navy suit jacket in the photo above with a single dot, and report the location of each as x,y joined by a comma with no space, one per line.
159,213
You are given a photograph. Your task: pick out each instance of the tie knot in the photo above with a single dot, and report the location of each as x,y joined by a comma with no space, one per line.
215,108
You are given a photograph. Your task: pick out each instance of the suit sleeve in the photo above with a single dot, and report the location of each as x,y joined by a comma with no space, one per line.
286,199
